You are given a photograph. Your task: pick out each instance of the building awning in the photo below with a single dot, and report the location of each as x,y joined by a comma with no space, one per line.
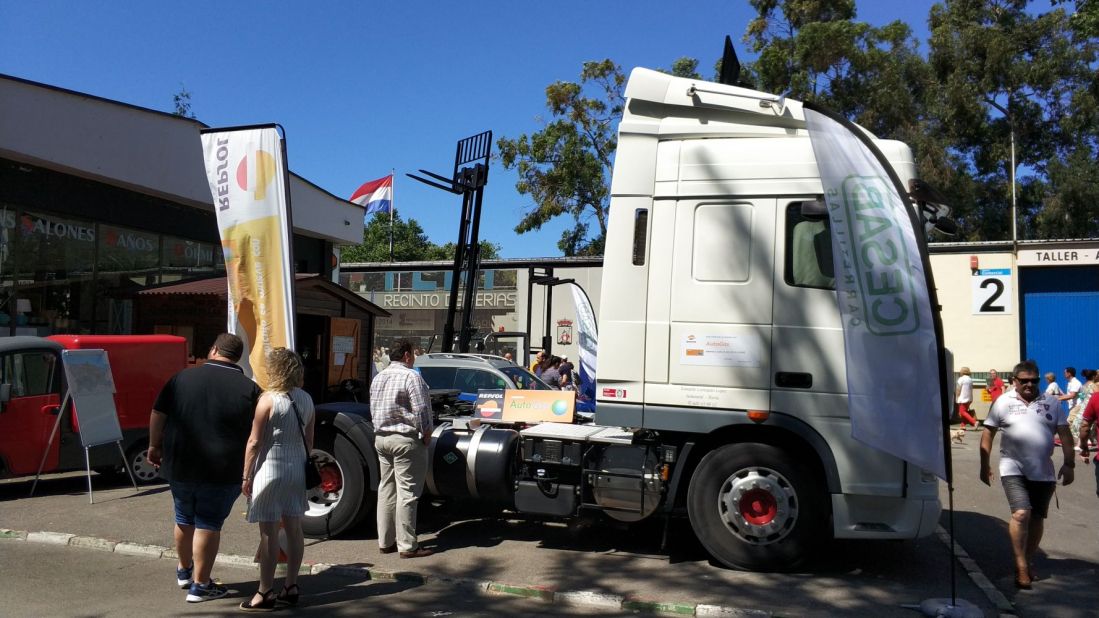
217,286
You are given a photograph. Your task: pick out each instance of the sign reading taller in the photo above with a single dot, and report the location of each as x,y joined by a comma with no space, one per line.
246,168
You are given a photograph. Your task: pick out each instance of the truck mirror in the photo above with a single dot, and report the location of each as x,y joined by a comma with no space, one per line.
946,226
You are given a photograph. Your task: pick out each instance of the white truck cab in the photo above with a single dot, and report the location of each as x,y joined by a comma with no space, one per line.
722,383
719,308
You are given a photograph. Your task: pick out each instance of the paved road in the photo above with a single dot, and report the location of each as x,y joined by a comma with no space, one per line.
854,578
41,580
1071,542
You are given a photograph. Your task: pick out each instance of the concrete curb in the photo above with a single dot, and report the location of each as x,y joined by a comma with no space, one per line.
546,594
975,573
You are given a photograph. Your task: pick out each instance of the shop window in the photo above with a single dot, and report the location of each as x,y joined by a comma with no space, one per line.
47,266
182,258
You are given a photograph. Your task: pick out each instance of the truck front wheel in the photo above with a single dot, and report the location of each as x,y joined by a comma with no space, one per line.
342,499
755,507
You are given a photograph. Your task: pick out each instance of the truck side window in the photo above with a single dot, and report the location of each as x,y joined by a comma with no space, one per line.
29,373
640,232
808,250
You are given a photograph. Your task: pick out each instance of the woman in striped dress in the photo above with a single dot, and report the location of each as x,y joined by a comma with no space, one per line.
274,474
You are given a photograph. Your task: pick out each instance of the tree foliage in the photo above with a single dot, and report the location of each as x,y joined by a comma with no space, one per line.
565,167
990,69
181,103
1002,70
410,243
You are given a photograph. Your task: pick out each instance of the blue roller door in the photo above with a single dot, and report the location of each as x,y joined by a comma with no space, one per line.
1061,318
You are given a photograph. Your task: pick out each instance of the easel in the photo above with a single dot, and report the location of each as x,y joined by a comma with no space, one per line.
101,421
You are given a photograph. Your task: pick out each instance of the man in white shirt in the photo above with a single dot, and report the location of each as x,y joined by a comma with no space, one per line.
1072,387
1029,422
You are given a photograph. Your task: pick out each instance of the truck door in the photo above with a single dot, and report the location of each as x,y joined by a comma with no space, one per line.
718,340
27,418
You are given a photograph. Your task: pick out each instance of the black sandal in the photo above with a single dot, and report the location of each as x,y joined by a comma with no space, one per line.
286,597
266,605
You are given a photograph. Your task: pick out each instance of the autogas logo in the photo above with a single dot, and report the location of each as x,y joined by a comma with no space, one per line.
255,172
878,254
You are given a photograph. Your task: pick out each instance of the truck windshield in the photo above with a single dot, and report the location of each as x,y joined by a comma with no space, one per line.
524,379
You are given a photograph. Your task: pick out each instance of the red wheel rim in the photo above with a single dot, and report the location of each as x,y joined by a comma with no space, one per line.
331,481
758,507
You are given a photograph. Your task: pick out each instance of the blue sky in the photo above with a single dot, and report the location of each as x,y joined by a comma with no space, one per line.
362,88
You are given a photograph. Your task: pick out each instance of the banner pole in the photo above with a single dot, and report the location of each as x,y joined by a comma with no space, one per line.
392,207
291,306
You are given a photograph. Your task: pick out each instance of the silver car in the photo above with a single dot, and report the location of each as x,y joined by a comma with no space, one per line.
470,373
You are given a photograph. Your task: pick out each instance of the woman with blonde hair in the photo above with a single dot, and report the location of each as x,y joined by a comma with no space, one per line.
274,475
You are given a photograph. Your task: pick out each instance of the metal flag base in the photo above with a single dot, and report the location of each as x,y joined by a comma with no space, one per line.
958,608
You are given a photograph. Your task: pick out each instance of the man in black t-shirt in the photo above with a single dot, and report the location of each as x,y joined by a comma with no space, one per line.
197,433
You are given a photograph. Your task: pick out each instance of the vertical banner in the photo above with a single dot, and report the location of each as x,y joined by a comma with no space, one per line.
587,340
246,168
883,286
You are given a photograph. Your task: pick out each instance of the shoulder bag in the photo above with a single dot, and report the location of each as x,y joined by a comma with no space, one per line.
312,471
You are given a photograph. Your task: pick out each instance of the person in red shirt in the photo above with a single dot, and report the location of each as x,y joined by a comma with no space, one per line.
995,385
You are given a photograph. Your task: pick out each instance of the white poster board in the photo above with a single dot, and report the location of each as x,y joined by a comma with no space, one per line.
992,291
91,386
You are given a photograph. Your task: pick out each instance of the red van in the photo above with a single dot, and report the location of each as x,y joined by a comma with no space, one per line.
32,386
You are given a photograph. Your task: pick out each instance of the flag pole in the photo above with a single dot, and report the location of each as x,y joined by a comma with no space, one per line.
392,204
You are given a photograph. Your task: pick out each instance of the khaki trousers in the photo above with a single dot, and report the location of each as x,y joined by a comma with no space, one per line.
402,466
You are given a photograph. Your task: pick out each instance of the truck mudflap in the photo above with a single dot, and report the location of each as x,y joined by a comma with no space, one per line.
878,517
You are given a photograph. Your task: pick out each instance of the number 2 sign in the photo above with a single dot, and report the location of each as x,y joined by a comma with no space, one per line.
992,292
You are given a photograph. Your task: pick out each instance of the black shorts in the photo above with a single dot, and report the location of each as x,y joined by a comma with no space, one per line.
1025,494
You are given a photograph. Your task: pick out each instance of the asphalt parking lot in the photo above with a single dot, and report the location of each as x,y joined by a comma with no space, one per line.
851,578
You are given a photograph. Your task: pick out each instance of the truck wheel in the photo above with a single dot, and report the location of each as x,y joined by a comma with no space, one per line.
342,499
755,507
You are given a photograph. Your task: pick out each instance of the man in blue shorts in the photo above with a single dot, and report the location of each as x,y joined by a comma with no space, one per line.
197,432
1029,420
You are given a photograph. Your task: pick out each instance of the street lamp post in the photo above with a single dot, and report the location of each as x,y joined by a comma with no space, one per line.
1014,207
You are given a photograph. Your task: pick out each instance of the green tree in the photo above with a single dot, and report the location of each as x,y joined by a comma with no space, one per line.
410,243
566,166
181,101
1003,71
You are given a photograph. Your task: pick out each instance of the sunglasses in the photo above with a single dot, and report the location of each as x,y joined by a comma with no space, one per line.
1027,380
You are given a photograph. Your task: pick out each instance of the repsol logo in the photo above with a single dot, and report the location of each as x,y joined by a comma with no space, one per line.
878,253
223,174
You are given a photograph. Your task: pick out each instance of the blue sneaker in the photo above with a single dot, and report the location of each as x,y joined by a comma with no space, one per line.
185,577
205,592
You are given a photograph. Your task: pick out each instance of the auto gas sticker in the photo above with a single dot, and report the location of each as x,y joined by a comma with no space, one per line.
740,350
